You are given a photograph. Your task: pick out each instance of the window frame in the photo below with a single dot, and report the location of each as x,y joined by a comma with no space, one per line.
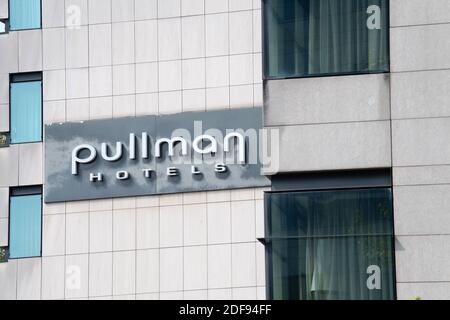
21,78
265,77
266,241
9,18
23,192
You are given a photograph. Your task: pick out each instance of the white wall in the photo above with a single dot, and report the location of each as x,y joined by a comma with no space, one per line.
3,9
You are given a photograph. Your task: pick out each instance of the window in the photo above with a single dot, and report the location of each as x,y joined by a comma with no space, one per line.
26,108
25,222
24,14
322,37
330,245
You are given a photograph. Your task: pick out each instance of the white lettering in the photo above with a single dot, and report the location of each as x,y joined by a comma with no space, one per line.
269,150
171,143
147,173
122,175
203,144
211,148
73,20
73,278
144,145
172,172
115,157
241,144
132,147
191,310
220,168
96,177
374,280
374,20
76,159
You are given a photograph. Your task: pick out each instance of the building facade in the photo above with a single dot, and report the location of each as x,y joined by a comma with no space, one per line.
362,113
354,94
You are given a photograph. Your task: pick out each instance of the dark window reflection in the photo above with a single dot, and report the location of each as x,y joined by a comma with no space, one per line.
331,245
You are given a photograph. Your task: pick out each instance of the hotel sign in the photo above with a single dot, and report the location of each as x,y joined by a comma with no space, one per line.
184,152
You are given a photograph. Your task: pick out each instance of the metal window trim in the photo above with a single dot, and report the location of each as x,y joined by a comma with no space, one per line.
25,77
332,180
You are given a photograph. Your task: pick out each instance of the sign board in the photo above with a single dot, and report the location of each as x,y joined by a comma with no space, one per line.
185,152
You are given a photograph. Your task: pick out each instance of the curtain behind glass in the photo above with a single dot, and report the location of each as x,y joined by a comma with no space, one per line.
336,264
313,37
26,112
331,240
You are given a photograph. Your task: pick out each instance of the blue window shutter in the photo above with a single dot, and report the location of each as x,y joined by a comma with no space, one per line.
26,112
25,14
25,226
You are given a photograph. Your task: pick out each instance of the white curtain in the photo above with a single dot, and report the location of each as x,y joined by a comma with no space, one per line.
313,37
325,242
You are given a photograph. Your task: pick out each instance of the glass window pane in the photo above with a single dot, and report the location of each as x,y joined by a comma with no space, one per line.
335,268
337,212
331,244
25,14
3,254
26,112
318,37
25,226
